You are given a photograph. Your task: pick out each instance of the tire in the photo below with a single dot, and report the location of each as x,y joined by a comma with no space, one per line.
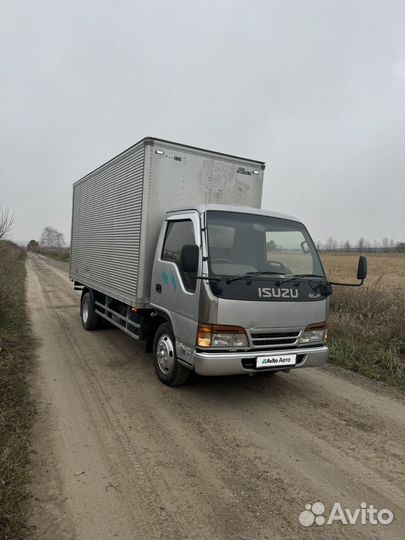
167,368
90,319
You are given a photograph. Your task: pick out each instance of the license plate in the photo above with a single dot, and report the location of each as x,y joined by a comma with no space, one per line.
279,360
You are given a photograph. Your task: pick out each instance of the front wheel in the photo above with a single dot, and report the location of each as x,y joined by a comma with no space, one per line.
88,315
167,367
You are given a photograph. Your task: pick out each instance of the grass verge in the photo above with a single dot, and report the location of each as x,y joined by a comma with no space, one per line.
16,409
367,331
57,254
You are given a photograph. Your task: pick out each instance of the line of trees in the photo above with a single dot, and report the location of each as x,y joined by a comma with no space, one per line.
386,245
51,240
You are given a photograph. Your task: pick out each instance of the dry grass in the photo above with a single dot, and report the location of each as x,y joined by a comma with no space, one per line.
9,253
386,269
367,324
16,409
60,254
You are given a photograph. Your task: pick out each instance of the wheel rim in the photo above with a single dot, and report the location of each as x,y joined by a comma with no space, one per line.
85,311
165,354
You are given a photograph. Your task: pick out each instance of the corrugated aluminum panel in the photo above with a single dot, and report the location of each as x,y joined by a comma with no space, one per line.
106,227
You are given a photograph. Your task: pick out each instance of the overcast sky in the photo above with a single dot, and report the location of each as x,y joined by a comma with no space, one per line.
313,87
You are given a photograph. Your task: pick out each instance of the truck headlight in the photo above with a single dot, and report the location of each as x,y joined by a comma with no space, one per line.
314,333
221,336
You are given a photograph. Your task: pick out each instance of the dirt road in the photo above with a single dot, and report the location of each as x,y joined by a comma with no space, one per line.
118,454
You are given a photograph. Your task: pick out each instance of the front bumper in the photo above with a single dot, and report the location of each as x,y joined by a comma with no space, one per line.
234,363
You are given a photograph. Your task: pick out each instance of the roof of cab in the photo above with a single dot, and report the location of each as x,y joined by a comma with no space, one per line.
200,208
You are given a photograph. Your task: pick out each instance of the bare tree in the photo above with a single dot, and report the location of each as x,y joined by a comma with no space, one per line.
51,238
361,243
6,221
60,240
331,244
347,246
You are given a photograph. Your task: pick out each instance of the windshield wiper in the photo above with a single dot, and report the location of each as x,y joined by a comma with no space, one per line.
297,276
253,274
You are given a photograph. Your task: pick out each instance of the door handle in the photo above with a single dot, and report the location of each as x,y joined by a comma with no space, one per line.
158,287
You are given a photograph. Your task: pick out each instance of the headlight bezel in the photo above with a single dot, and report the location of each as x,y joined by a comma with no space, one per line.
314,334
220,336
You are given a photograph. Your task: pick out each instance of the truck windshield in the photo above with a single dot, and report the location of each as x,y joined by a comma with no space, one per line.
240,243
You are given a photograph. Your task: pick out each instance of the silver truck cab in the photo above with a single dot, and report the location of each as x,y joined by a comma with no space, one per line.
243,289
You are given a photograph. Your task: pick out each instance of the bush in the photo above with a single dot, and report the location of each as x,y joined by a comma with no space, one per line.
367,331
9,253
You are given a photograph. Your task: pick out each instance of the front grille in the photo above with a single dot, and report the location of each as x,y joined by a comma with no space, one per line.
274,339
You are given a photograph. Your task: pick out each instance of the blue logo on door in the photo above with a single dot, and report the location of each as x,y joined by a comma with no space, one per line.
169,280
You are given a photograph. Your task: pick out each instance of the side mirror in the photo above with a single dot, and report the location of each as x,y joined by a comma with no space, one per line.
361,274
190,254
362,268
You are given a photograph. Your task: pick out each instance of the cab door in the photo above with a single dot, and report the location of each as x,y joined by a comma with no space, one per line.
174,291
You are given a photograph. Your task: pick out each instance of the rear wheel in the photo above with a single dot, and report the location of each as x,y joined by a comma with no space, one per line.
88,315
167,367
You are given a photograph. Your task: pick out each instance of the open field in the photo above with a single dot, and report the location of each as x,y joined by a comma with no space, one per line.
367,323
386,269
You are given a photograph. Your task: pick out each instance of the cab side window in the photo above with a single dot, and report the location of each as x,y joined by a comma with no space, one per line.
179,233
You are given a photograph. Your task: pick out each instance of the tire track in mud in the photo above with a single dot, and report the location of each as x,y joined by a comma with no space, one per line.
138,481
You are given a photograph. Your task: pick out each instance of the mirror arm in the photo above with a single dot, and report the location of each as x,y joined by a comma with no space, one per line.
347,284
